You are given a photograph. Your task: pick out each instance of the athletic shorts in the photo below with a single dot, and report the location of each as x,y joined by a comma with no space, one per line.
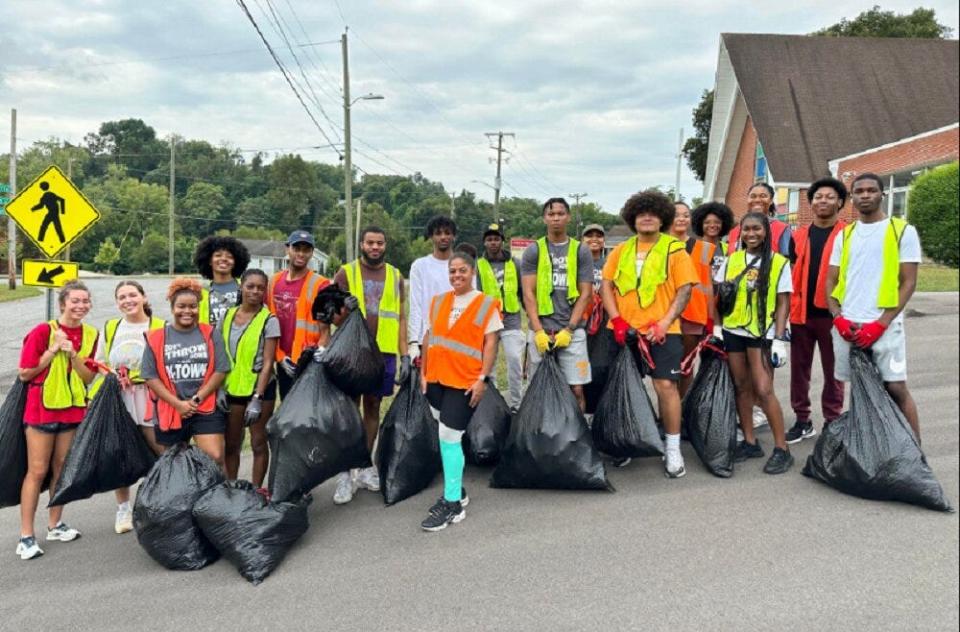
53,427
385,389
889,354
453,404
269,395
574,360
735,343
666,358
214,423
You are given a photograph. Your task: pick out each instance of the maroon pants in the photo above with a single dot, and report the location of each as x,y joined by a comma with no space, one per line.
804,338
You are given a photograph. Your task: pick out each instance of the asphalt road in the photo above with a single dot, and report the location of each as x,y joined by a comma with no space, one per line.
754,552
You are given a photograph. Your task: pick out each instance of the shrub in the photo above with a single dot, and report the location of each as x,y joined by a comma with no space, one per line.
934,208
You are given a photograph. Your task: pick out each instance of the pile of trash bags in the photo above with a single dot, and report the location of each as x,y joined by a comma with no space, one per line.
13,445
625,423
710,412
408,456
353,359
488,428
549,445
870,451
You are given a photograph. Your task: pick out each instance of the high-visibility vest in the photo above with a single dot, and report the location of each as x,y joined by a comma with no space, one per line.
545,276
167,416
455,354
511,284
307,333
801,273
109,333
388,314
698,308
63,388
777,229
242,378
889,294
204,306
656,267
744,314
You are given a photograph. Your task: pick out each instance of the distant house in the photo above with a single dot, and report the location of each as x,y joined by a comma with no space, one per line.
271,256
790,109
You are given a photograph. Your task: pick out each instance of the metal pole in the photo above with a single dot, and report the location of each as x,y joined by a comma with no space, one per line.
676,189
357,240
347,160
496,182
11,227
69,177
173,192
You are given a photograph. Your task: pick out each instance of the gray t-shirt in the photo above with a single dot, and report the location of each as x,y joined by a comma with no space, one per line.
511,322
271,329
185,357
558,256
223,296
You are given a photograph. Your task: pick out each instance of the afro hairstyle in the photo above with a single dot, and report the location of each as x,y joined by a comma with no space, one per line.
829,183
721,210
649,201
204,254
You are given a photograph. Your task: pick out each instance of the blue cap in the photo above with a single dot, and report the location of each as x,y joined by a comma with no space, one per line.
301,237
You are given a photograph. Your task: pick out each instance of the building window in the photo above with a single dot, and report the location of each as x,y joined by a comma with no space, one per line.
760,171
793,201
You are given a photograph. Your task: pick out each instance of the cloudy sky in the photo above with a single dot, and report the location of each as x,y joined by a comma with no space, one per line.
596,92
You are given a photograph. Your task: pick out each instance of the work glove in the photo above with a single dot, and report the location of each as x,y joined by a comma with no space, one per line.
562,338
222,404
718,332
656,334
413,350
252,412
845,328
404,373
778,354
351,302
288,367
869,334
542,341
620,329
318,354
708,328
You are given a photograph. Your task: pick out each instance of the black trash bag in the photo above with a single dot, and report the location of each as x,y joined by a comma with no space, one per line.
602,349
483,441
549,445
314,435
162,513
870,451
250,532
107,452
625,424
13,444
710,413
408,456
353,359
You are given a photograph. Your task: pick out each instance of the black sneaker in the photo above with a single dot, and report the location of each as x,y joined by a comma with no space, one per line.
443,513
801,430
779,462
746,451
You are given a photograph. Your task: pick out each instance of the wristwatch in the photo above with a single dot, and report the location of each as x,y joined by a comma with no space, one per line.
196,399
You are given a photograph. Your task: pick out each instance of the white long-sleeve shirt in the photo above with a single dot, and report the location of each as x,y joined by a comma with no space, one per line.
429,276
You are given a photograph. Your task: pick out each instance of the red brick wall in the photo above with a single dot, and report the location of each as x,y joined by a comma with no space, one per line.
930,150
743,170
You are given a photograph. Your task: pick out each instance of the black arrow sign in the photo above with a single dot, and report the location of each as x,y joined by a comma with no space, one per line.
47,276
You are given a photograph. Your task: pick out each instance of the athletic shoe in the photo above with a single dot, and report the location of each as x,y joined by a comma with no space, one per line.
464,499
369,478
739,435
62,532
345,489
746,451
124,522
779,462
673,464
622,462
443,513
801,430
28,549
759,417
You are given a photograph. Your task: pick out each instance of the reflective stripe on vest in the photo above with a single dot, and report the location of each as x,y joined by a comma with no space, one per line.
654,272
307,331
242,378
744,314
801,273
508,293
167,416
698,309
63,388
889,294
455,354
545,276
388,312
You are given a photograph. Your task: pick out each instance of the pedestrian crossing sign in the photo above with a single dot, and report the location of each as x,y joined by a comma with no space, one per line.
52,211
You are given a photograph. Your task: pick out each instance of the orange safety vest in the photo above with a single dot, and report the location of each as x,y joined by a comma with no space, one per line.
801,273
777,229
307,333
167,416
701,253
455,354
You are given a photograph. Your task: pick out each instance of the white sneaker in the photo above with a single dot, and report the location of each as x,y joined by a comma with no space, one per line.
345,489
124,521
739,435
28,549
759,419
674,464
62,532
369,478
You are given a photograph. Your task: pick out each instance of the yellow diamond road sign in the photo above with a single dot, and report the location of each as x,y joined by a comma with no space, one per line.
49,273
52,212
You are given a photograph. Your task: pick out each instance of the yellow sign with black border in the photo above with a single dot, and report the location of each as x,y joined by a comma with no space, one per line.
49,273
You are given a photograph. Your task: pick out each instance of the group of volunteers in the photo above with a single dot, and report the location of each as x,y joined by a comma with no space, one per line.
232,346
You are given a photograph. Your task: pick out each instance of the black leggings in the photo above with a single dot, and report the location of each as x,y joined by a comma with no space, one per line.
453,404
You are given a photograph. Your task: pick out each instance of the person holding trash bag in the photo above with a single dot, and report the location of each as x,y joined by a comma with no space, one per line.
647,282
599,339
290,297
249,333
377,288
184,364
56,362
221,260
755,335
872,276
459,354
429,276
124,340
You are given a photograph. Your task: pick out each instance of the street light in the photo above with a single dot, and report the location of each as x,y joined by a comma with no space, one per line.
368,97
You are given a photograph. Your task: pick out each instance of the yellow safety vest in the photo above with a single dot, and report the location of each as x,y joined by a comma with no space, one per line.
109,333
889,294
388,313
242,378
656,267
545,276
204,307
489,286
744,314
63,388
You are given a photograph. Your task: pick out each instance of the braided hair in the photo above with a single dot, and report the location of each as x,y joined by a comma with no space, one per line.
761,287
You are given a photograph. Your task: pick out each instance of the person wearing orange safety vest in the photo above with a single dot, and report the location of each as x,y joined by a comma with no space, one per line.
184,364
760,199
459,352
290,297
810,320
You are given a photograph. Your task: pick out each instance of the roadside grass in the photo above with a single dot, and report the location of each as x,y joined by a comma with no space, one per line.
935,278
22,291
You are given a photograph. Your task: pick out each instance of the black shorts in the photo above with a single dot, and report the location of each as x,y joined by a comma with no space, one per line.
53,427
214,423
453,404
735,343
666,358
269,395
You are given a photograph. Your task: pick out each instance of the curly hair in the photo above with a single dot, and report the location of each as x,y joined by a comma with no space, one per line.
439,222
204,254
182,285
718,209
828,183
649,201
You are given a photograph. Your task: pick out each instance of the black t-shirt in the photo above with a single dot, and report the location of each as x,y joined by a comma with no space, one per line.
816,243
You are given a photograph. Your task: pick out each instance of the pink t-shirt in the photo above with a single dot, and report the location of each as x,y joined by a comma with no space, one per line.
34,344
285,296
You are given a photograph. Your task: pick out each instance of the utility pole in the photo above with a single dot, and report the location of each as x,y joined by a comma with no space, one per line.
173,201
347,159
70,178
578,197
500,151
11,227
676,190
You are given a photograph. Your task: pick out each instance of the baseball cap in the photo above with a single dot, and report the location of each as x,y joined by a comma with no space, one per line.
301,237
494,229
592,227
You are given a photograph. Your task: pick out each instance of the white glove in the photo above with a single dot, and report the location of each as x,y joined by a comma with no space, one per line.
288,367
718,332
318,354
413,350
778,354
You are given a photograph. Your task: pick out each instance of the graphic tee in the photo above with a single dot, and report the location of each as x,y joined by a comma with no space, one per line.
185,356
223,296
285,296
562,309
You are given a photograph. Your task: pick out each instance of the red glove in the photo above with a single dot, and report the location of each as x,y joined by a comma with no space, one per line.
655,333
708,328
869,334
620,329
846,329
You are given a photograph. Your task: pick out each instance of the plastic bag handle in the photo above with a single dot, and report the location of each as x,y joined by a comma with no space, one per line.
686,365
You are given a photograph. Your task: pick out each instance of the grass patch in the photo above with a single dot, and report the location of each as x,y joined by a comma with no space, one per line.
22,291
934,278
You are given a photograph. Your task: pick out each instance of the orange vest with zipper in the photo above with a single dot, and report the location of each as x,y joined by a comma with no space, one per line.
307,333
698,309
455,354
167,416
801,273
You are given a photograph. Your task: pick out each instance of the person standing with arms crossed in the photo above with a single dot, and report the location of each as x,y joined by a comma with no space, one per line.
428,277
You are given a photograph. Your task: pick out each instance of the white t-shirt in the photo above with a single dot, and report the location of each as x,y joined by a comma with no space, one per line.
128,345
429,276
866,267
784,286
462,302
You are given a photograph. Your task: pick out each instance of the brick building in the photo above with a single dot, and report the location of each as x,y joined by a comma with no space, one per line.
789,109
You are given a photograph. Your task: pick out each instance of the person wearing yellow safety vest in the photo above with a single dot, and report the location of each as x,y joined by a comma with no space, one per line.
760,313
599,336
498,276
124,340
221,260
250,334
56,363
647,282
557,278
872,275
378,289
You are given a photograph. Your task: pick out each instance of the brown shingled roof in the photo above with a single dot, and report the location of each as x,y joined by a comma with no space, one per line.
813,99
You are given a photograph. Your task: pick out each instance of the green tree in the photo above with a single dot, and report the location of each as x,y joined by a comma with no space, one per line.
151,254
107,255
129,142
695,147
920,23
934,208
201,207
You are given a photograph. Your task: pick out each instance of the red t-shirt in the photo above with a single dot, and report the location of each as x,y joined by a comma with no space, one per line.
34,344
285,296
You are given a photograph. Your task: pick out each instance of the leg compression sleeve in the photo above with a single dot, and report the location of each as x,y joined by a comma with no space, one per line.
451,454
